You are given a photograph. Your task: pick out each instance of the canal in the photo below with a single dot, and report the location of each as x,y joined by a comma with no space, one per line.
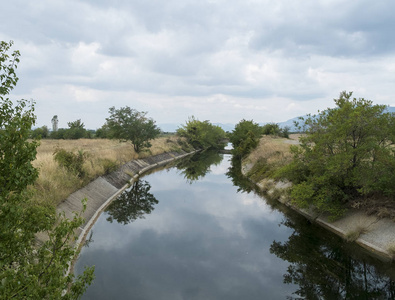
197,230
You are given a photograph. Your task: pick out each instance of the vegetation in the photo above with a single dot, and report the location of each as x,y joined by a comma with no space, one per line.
275,129
202,134
55,183
40,133
28,270
73,162
127,124
346,154
245,137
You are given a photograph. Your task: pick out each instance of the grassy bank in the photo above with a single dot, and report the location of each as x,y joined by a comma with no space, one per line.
101,156
272,153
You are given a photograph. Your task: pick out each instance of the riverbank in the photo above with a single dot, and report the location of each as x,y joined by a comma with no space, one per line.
100,192
375,234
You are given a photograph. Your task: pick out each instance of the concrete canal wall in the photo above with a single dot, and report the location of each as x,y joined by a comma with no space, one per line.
377,235
104,189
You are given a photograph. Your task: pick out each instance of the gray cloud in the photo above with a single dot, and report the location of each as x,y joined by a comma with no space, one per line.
252,53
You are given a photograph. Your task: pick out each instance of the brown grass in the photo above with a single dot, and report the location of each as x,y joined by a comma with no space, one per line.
56,183
274,150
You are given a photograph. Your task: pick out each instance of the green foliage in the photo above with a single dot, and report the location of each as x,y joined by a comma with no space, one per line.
347,153
202,134
58,134
103,132
275,129
28,270
73,162
108,165
128,124
245,137
40,133
76,131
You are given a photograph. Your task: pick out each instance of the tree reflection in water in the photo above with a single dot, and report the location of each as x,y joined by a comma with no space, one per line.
132,204
325,267
242,183
322,264
197,166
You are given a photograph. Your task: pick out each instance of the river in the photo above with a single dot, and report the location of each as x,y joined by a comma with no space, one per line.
198,230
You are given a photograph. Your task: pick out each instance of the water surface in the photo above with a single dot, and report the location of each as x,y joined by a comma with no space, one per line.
193,232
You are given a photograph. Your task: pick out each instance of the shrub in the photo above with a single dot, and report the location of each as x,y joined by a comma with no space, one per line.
73,162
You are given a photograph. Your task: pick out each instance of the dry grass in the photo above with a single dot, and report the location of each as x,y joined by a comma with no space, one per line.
271,154
273,150
56,183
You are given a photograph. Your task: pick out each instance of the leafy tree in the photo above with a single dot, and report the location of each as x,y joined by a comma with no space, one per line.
29,270
347,153
40,133
275,129
245,137
202,134
128,124
59,134
76,130
102,132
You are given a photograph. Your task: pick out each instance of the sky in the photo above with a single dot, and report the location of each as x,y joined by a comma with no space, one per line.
216,60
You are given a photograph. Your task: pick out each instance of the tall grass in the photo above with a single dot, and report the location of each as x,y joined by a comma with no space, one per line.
56,183
270,154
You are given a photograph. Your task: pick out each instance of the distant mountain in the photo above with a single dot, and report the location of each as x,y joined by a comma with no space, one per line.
291,123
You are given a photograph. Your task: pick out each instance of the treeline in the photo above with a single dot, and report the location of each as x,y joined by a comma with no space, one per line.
75,131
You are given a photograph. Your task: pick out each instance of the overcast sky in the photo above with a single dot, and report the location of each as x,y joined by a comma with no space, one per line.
219,60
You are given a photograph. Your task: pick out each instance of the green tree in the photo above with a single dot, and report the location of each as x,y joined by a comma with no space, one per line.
245,137
76,130
128,124
40,133
347,153
275,129
202,134
29,270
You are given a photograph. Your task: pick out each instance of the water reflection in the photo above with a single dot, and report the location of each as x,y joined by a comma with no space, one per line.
132,204
207,241
241,182
322,265
198,165
325,267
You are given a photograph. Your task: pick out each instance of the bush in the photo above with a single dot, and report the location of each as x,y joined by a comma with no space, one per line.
73,162
347,153
245,137
202,134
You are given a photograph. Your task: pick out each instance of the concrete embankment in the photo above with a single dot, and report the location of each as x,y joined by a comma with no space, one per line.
377,235
104,189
